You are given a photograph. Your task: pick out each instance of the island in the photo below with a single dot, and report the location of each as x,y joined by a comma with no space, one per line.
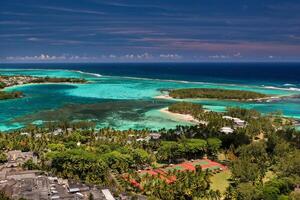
9,81
10,95
213,93
185,108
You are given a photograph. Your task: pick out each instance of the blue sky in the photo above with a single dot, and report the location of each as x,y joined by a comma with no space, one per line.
144,30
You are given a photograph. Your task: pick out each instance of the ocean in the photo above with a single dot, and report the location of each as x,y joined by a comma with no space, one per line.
122,95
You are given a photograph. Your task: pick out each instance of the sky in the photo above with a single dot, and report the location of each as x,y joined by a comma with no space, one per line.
149,31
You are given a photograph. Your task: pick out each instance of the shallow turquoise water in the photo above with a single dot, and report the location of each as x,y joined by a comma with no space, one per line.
118,102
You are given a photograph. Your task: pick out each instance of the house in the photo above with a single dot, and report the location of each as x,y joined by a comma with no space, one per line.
227,117
239,122
145,139
236,121
226,130
75,187
57,131
20,175
155,136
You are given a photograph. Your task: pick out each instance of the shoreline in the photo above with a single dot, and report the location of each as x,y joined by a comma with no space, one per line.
259,100
44,83
181,117
12,87
10,84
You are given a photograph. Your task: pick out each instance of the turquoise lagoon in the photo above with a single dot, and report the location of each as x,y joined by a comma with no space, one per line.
118,102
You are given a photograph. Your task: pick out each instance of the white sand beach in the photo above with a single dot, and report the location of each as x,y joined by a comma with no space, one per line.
183,117
164,96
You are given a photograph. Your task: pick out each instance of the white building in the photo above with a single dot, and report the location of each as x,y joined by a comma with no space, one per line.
226,130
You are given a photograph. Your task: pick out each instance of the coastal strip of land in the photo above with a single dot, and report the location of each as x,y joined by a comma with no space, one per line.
220,94
10,81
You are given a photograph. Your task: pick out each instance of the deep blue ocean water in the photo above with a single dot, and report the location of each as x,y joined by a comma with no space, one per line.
123,97
249,73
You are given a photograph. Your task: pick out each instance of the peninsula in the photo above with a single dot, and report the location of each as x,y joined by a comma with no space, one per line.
9,81
212,93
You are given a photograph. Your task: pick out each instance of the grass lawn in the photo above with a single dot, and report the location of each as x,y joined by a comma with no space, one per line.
220,181
269,176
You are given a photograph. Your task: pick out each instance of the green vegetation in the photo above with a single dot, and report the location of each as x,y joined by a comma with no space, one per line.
103,157
79,164
3,158
10,95
187,148
57,80
188,185
3,196
2,85
215,94
185,108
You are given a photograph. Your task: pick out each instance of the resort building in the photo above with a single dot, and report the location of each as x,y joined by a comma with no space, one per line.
226,130
155,136
237,121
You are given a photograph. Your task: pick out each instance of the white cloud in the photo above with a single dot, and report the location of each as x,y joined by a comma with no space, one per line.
143,56
33,39
170,56
219,57
42,57
237,54
71,10
110,57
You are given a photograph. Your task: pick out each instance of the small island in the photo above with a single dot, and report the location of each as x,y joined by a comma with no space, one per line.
10,95
186,108
212,93
9,81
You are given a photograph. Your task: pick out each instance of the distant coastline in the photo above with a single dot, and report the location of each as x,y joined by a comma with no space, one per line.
14,81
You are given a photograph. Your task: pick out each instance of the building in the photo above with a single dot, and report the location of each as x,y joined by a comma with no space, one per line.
35,185
155,136
75,187
226,130
25,184
237,121
17,158
17,183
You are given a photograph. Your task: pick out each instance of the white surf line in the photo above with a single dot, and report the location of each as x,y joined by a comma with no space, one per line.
55,69
164,80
